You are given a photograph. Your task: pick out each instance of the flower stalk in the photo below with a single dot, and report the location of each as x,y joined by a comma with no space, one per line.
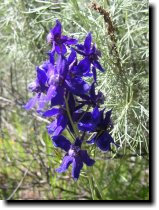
74,126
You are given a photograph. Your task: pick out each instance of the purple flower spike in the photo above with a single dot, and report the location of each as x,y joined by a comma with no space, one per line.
61,93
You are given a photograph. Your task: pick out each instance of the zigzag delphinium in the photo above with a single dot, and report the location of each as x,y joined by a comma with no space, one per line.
75,103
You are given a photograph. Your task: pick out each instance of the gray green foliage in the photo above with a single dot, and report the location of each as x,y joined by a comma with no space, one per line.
28,158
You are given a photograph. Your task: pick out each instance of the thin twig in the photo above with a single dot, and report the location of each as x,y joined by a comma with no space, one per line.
20,183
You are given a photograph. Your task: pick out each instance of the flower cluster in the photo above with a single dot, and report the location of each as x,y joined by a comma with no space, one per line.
61,92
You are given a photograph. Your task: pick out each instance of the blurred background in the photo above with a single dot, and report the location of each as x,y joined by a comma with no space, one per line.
28,160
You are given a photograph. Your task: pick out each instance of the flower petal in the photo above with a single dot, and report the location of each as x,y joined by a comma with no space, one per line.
49,38
94,74
41,103
84,65
41,75
51,92
87,123
107,119
51,112
52,127
67,160
87,43
58,130
31,103
87,74
58,125
86,117
87,126
51,71
71,57
85,158
104,141
76,167
59,98
64,69
92,92
60,49
51,56
80,47
34,86
57,30
95,51
98,66
53,46
71,41
62,142
77,86
58,64
63,39
96,114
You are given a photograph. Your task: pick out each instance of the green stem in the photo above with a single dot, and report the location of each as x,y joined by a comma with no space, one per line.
91,187
90,136
74,126
71,134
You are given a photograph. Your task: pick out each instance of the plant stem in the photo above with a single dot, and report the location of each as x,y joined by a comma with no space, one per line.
74,126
